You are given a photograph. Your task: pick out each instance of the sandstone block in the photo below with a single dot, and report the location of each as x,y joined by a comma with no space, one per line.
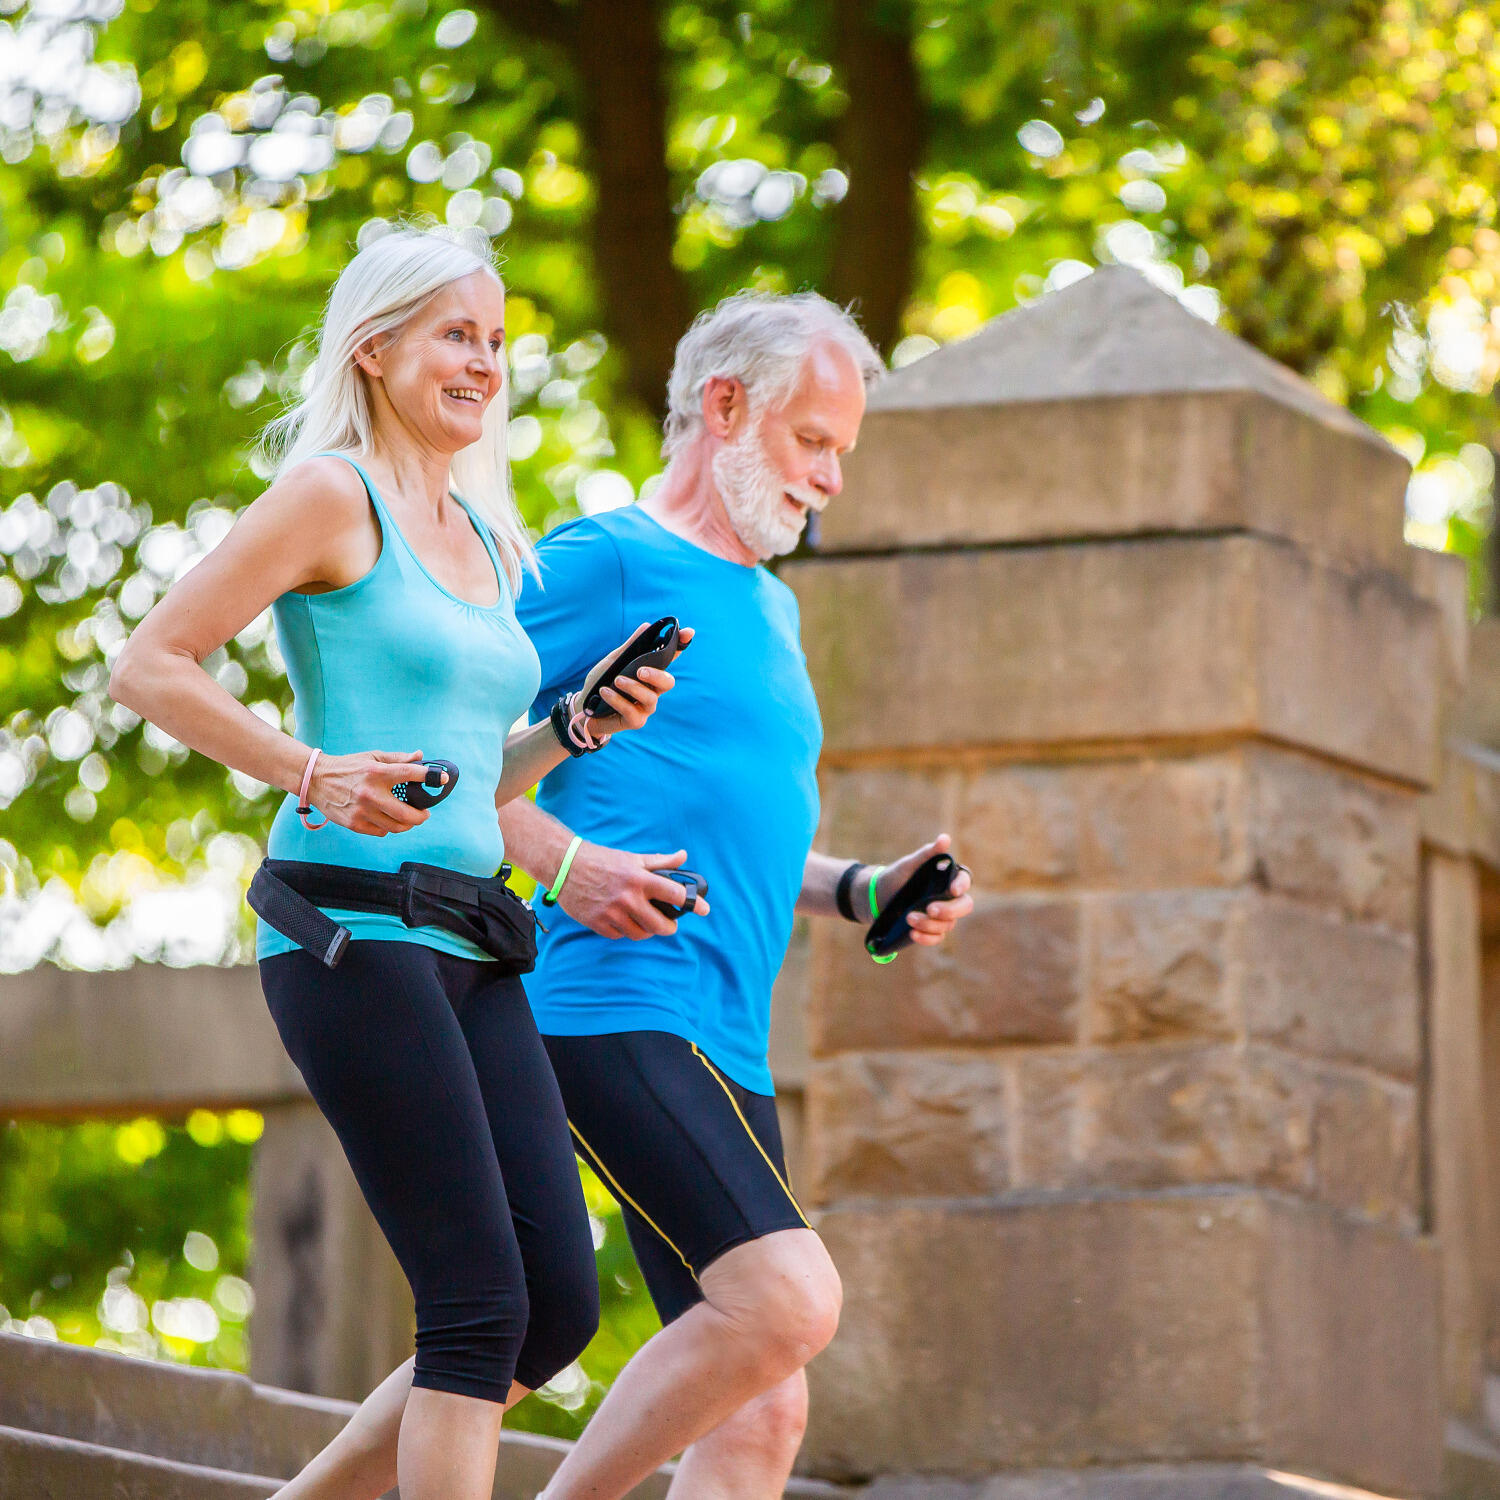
1009,973
1110,466
1340,990
1095,642
1086,1333
1163,966
1174,965
1157,1117
1365,1139
1484,783
908,1125
1145,822
1158,638
1288,822
1353,1352
1489,1207
1160,1117
1443,577
1462,1197
1478,714
1018,826
1345,659
881,813
1128,1330
1334,838
787,1048
1448,812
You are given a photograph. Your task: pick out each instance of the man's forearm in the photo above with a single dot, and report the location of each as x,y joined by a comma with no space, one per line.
534,839
820,879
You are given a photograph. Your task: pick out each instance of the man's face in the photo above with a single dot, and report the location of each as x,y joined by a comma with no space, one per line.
784,463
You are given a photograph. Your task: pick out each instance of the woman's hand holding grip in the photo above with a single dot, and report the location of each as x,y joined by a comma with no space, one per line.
355,791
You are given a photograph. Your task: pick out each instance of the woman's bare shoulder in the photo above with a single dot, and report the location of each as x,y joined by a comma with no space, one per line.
324,487
311,527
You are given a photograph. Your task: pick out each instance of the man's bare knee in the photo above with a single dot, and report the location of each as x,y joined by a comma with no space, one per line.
780,1294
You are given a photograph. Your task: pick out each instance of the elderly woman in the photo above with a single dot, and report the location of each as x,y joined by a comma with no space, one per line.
390,554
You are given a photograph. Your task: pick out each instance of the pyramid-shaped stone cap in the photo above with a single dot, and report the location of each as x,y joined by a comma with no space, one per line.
1109,409
1111,334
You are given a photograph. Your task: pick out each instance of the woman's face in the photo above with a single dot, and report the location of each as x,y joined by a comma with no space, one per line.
447,364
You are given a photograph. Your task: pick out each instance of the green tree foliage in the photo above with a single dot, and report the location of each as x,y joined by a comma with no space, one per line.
183,179
176,208
129,1235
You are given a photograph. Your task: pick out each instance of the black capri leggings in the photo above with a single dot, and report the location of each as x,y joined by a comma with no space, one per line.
431,1072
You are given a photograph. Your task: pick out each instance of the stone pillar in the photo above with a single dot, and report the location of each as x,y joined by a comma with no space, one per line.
1456,839
333,1314
1129,1172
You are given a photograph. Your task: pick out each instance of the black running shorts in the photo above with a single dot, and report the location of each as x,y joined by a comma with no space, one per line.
694,1159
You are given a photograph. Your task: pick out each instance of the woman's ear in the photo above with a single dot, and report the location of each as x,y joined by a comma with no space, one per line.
367,356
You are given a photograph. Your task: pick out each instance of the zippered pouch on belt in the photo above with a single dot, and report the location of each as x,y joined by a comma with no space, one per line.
288,893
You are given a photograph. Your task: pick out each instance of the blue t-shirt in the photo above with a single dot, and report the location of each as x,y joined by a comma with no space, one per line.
726,769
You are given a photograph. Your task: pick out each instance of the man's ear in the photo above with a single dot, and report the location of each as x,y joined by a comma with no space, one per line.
725,405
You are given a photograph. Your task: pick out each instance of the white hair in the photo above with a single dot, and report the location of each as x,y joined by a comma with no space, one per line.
761,340
378,293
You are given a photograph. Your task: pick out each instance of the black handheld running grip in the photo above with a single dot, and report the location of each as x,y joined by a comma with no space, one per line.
932,880
653,645
431,789
692,885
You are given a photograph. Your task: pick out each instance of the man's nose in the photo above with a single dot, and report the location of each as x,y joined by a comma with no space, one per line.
828,475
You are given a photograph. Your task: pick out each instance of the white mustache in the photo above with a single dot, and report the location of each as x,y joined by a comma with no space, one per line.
814,500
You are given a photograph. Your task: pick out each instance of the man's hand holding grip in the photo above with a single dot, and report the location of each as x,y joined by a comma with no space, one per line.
610,891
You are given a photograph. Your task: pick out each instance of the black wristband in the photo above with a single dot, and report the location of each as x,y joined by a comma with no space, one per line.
841,894
559,717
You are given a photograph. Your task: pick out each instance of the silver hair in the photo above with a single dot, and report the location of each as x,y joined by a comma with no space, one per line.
761,340
379,292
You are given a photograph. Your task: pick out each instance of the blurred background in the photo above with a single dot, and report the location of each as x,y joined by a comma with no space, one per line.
182,179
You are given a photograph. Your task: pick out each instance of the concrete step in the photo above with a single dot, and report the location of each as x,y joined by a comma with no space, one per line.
210,1417
92,1406
40,1466
1147,1482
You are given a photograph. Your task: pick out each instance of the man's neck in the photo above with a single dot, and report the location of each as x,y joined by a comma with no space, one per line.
687,502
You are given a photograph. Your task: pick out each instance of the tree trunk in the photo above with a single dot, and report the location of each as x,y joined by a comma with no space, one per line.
615,49
880,139
646,303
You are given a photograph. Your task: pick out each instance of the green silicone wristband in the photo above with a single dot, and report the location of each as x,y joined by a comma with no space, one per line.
889,958
550,899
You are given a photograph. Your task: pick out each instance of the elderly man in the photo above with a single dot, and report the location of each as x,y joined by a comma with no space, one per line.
660,1047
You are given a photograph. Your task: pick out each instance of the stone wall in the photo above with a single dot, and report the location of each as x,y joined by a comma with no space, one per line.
1133,1170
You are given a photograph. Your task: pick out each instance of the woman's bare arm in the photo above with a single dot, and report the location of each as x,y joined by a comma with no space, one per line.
311,530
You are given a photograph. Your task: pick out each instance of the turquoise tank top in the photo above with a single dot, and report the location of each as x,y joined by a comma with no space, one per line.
396,662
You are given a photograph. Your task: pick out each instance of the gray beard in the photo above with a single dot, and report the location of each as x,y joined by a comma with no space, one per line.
752,493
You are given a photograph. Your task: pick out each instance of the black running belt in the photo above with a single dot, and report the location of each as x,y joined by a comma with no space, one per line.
287,893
